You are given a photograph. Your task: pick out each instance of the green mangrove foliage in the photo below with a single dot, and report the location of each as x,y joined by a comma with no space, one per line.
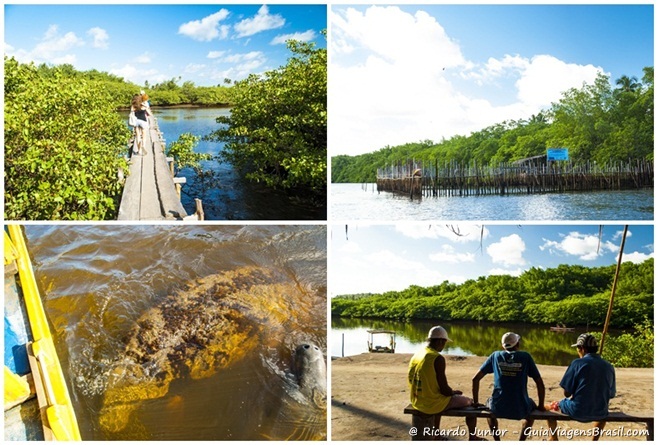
171,92
63,145
630,349
277,130
597,122
569,294
182,150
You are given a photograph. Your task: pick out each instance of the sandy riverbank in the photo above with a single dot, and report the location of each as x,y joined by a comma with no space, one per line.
369,392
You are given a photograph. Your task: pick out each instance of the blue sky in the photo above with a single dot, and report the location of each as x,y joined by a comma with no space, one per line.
407,73
378,258
201,43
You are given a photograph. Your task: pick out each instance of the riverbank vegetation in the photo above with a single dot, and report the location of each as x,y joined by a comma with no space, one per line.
277,131
598,123
567,294
63,145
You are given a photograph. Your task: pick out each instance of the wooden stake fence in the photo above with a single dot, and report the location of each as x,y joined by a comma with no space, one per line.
451,179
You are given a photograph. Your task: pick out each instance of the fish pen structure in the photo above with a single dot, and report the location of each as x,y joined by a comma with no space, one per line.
418,179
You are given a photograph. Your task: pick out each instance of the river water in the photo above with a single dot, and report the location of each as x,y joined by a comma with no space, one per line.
97,280
362,202
227,196
350,337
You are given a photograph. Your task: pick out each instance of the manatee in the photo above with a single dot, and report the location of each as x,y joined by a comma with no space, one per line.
311,372
303,415
196,332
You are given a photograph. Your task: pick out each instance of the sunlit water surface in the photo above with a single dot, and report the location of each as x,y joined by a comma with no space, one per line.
363,202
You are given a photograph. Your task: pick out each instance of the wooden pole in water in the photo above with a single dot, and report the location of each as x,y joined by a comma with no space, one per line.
342,350
614,288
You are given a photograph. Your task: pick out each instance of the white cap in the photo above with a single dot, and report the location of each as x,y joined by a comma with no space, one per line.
510,339
438,332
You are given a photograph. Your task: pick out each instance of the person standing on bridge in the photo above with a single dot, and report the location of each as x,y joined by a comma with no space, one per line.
137,106
511,368
430,393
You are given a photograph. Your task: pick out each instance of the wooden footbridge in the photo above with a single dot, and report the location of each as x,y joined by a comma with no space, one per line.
451,179
151,192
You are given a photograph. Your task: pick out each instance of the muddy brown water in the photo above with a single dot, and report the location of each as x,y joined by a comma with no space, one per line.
97,281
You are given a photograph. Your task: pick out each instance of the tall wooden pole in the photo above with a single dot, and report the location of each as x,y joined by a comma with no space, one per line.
614,288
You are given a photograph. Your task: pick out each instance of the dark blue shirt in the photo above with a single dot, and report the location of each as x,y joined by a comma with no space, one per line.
591,382
511,371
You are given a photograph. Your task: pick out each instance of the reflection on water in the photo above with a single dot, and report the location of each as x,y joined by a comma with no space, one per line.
357,202
469,338
97,281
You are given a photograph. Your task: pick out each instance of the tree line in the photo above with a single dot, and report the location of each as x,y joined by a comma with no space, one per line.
171,92
598,122
567,294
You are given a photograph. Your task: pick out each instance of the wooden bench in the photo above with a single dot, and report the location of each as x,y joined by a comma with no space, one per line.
613,416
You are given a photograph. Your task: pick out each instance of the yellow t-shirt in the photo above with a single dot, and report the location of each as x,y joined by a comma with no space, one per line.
424,389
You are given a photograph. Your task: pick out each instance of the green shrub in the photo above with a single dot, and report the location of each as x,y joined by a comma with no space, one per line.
631,349
63,146
277,130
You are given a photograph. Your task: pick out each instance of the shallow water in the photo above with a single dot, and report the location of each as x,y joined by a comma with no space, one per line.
96,281
363,202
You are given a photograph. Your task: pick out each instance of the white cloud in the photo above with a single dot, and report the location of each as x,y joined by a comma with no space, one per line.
50,49
100,37
215,54
208,28
508,251
391,88
139,75
242,65
545,78
143,58
637,257
262,21
300,36
455,232
584,246
192,68
447,254
237,58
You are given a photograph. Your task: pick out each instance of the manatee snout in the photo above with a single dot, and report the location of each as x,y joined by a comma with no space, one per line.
310,369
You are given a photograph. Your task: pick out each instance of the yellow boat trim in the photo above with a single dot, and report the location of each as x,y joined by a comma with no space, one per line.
59,412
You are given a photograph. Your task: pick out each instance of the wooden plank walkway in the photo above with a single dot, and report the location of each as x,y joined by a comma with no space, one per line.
149,192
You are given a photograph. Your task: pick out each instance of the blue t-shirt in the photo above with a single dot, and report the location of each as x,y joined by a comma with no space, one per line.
511,371
591,382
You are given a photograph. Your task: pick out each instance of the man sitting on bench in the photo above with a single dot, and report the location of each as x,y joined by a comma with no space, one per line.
430,393
589,384
511,368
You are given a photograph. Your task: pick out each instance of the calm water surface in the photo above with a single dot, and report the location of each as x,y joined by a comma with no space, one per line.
227,196
362,202
350,337
97,280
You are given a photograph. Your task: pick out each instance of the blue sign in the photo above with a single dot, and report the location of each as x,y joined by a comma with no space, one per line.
557,154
